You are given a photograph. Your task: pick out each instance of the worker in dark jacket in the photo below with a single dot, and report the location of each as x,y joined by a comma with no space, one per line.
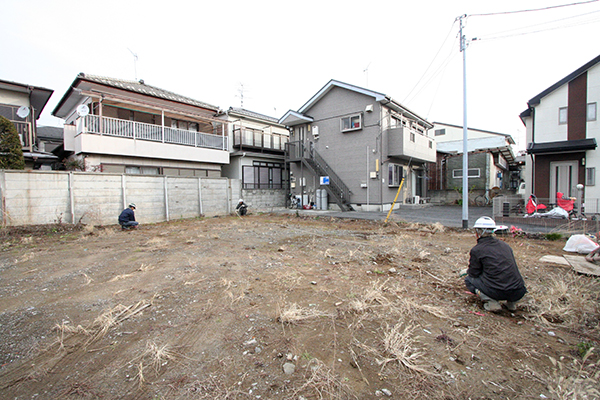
127,218
493,273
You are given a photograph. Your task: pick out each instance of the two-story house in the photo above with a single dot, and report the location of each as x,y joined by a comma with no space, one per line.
22,104
358,146
562,128
257,144
122,126
492,162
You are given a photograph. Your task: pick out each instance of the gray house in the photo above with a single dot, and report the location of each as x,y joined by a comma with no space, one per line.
357,145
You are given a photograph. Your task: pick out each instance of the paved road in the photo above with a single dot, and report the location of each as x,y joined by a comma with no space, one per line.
450,216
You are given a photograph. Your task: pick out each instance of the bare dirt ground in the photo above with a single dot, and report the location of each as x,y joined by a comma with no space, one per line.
284,307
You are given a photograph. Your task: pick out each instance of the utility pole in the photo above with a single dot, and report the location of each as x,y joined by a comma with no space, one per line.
465,170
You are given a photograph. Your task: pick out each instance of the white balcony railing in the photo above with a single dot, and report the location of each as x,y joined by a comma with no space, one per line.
155,133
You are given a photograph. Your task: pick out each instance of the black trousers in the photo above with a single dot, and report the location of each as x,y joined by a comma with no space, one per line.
509,295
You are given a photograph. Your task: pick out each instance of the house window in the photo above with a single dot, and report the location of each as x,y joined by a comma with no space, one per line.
591,112
396,173
395,122
471,173
590,176
412,136
439,132
562,115
430,144
351,123
262,175
142,170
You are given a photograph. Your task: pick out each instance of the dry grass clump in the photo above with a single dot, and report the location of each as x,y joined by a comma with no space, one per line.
294,314
373,299
567,381
323,383
67,330
401,345
568,299
154,356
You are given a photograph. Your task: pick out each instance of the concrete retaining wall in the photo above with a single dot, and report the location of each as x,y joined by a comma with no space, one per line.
46,197
263,199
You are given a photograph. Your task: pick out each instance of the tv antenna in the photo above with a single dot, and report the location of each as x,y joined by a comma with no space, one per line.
366,72
241,92
135,58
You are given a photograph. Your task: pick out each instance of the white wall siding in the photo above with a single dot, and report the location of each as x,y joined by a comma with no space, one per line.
547,128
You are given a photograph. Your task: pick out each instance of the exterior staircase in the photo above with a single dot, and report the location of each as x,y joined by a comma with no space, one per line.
337,189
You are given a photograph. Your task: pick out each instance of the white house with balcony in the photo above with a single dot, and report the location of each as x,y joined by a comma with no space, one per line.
256,143
122,126
359,146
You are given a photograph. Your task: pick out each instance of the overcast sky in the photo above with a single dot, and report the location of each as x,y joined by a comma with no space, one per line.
283,52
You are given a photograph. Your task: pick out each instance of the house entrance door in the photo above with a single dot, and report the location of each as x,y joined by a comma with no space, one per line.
563,178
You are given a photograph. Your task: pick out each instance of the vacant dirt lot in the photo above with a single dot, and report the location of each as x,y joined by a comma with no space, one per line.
284,307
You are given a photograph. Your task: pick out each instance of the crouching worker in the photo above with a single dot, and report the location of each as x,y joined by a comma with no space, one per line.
493,274
241,209
127,218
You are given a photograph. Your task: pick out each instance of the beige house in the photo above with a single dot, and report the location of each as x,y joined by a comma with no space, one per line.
22,104
257,144
122,126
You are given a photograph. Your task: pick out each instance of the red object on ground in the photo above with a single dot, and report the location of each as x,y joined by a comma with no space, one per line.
566,204
532,205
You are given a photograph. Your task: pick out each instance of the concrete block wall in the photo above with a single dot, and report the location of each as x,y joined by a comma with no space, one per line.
34,198
46,197
264,199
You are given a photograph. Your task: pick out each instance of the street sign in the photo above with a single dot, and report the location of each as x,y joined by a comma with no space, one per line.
324,180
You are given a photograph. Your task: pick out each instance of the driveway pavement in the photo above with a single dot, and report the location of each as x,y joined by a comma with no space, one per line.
450,216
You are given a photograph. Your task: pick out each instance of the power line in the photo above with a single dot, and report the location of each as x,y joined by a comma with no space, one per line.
505,34
533,9
431,63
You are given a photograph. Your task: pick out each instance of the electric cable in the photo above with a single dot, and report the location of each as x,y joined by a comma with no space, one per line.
533,9
504,34
431,63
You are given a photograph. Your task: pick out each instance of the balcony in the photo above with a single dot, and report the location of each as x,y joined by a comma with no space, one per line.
155,133
246,138
105,135
25,134
409,144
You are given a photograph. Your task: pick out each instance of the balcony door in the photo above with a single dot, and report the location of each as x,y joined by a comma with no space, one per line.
563,178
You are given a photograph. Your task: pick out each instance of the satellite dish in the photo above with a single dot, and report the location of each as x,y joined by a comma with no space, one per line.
23,112
83,110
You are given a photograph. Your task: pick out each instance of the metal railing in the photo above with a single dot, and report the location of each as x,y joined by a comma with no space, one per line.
258,139
336,187
155,133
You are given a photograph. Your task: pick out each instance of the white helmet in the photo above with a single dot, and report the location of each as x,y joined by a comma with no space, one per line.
485,223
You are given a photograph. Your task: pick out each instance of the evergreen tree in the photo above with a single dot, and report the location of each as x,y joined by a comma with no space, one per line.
11,152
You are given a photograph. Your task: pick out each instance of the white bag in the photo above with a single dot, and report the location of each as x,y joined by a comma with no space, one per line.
580,244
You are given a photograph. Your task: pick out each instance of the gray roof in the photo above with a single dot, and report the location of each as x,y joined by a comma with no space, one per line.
252,114
50,132
142,88
131,86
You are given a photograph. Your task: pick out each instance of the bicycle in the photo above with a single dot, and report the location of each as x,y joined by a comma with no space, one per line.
485,199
